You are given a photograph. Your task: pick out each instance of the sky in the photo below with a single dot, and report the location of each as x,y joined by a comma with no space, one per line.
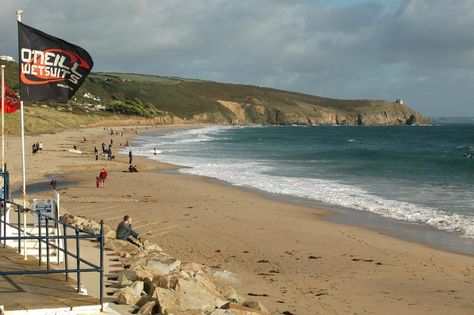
419,50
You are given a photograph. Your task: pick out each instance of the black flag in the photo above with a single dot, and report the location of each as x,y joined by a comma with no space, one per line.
51,69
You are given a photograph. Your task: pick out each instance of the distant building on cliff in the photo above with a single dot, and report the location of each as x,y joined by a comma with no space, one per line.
399,101
7,58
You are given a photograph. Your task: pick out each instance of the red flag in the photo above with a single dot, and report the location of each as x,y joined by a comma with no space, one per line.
12,103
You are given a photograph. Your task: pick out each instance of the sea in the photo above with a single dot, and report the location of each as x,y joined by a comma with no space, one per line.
418,174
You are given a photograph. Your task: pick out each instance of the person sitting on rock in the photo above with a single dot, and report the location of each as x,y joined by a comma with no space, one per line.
126,233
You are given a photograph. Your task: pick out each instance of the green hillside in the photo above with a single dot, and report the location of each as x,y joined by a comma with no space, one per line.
183,100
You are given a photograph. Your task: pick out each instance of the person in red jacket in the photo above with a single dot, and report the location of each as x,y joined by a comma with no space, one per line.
103,177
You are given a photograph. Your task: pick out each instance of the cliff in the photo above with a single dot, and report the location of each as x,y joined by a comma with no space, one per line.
179,100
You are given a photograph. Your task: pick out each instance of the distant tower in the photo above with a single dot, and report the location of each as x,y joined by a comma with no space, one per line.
399,101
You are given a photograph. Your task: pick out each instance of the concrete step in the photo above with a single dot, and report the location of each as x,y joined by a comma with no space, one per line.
75,310
35,231
34,251
35,245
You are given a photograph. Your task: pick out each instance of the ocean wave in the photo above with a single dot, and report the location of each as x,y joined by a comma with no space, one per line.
261,176
254,175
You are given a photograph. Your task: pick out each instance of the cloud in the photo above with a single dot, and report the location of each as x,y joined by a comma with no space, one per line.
420,50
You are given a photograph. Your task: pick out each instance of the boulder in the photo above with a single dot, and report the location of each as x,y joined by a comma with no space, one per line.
162,267
121,247
231,294
129,295
149,308
149,246
256,306
200,273
82,223
108,232
137,287
224,276
237,309
141,259
195,294
166,300
166,281
127,276
181,292
90,226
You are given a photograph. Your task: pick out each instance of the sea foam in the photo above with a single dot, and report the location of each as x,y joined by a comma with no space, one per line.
260,175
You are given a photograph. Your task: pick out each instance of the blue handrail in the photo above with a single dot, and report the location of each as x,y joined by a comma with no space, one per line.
77,235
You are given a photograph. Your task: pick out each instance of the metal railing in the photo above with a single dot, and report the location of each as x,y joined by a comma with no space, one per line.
69,232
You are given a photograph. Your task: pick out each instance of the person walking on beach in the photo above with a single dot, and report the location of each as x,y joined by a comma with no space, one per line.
130,157
103,177
96,153
126,233
109,153
53,183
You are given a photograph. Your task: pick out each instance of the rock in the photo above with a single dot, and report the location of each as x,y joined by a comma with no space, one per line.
81,223
121,247
256,306
127,296
149,308
225,276
138,286
130,295
166,300
162,267
166,281
237,309
141,259
108,232
127,276
90,226
231,294
200,273
148,246
182,292
158,283
197,294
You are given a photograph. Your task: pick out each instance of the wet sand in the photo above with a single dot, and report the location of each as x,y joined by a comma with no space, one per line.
285,254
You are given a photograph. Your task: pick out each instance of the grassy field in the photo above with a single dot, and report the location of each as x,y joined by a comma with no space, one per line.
190,99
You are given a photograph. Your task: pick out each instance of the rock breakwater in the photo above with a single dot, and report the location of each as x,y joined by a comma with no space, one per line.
157,283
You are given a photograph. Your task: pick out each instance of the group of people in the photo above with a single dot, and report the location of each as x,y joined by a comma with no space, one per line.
37,147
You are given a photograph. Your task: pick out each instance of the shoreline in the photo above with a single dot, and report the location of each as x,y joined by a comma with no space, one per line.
420,233
281,251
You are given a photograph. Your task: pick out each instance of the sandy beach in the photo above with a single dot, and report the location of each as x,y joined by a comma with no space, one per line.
286,255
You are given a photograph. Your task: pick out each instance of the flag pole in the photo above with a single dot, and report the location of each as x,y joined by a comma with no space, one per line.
3,117
22,118
3,134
